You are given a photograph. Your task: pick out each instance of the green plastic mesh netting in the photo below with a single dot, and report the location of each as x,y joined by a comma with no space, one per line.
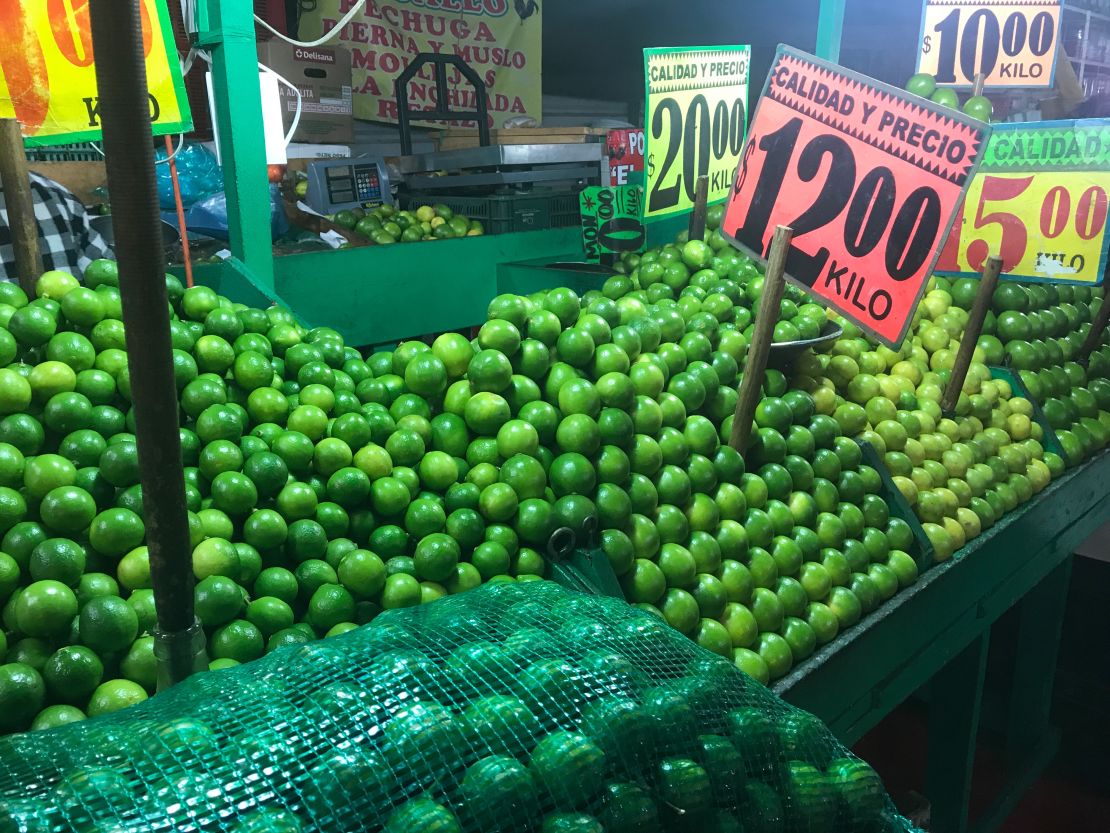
508,708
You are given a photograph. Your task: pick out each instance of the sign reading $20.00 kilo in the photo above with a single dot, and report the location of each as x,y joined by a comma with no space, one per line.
696,116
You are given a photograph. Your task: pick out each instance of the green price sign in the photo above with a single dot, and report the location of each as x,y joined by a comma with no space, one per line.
612,221
696,117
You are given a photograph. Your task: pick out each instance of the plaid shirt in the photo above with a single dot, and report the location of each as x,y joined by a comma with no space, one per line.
66,239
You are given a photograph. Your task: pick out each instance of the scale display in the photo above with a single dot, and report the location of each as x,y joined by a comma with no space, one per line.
336,184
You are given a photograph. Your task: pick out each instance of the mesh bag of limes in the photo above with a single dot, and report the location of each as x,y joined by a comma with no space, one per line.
509,708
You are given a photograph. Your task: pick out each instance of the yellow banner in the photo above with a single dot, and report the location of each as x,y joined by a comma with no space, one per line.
48,79
696,117
499,39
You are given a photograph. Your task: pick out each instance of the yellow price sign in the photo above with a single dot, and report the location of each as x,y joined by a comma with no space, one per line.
696,118
1040,202
1014,44
48,78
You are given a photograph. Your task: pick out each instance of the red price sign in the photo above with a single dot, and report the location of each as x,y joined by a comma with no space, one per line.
867,175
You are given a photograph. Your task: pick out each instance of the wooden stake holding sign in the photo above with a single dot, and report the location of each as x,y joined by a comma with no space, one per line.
974,328
19,205
1098,327
701,208
751,386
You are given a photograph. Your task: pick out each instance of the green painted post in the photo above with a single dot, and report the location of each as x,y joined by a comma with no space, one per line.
830,25
1041,623
956,698
230,37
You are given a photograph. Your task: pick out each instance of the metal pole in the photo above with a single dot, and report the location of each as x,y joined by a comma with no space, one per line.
129,151
20,206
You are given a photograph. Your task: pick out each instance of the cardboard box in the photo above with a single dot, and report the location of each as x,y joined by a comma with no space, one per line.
323,75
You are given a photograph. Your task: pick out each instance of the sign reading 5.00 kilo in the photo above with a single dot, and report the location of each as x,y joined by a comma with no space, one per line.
1014,43
868,177
696,114
1039,202
611,221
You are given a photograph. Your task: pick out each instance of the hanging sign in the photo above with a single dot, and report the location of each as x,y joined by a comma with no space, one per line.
1014,43
868,176
695,116
611,220
1039,201
501,40
48,78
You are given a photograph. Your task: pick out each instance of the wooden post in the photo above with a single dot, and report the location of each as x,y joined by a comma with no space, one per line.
1098,327
701,207
987,283
752,384
20,206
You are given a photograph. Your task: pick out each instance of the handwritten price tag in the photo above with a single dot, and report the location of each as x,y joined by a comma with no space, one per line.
611,220
696,113
1014,44
1040,202
868,176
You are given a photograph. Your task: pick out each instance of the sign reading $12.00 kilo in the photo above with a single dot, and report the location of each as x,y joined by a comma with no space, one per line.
869,178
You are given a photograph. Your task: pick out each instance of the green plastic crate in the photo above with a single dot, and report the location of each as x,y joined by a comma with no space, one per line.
504,213
83,152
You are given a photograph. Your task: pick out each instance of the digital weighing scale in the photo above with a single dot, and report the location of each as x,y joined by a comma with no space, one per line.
336,184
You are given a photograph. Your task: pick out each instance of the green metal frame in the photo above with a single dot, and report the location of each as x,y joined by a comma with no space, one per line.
938,631
382,294
830,26
226,29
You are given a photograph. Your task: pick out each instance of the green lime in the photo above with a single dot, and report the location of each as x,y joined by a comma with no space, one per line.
114,695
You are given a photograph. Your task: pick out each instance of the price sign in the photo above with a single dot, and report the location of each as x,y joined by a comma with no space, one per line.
1014,43
696,114
611,220
867,175
1039,202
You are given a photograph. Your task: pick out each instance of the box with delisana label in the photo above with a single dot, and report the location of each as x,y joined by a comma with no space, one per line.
323,75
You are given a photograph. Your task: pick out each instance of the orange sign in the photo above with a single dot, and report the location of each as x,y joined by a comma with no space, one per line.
867,175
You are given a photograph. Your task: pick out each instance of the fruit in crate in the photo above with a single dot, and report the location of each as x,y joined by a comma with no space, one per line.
386,224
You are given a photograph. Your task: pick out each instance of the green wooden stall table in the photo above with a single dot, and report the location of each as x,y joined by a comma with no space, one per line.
382,294
937,632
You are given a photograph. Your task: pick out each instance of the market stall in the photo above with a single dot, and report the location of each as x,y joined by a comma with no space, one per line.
475,534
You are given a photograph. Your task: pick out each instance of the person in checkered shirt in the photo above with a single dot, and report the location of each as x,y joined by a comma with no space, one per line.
66,239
